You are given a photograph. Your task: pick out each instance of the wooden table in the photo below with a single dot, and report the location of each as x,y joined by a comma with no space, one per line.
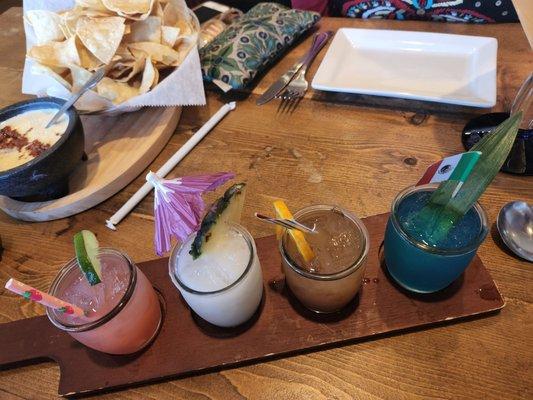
358,152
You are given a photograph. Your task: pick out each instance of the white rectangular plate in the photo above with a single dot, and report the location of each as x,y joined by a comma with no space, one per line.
455,69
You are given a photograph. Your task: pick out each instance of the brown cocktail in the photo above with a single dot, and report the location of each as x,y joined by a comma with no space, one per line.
332,278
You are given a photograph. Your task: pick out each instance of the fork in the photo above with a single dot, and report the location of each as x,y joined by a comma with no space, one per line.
296,89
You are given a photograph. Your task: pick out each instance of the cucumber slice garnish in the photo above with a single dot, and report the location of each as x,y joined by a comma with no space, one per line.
86,247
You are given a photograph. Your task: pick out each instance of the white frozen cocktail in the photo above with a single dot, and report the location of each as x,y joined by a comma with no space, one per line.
217,270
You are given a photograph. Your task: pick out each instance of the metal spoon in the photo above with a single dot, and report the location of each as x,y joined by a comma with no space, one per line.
92,82
515,224
287,223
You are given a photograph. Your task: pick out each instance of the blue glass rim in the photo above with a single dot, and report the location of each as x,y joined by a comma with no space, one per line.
425,247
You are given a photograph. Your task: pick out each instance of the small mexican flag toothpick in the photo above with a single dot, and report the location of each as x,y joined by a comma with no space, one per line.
454,168
452,200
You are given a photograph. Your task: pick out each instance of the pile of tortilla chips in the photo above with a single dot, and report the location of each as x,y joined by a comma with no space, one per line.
133,39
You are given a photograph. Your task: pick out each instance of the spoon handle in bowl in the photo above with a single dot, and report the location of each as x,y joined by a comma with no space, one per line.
92,82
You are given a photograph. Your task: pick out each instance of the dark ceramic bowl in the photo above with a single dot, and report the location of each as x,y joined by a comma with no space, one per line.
520,159
46,176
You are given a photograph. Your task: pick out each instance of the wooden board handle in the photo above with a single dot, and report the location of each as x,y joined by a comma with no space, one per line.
29,339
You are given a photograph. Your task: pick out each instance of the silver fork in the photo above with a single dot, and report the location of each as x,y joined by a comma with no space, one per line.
296,89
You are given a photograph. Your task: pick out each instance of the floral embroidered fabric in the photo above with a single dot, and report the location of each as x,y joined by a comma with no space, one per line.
476,11
252,43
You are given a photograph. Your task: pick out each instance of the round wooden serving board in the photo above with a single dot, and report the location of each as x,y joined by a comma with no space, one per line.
119,148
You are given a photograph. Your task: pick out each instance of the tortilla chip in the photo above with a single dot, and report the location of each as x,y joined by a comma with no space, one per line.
170,15
46,25
39,69
123,54
87,59
169,35
148,30
181,7
176,13
149,77
79,76
101,36
92,4
116,92
56,54
69,18
156,77
133,9
185,43
157,52
124,71
121,70
68,22
158,9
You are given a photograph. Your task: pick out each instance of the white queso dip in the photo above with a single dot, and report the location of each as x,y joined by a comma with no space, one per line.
24,137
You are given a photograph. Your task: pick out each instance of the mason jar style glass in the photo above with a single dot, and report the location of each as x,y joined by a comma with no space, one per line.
421,268
127,312
331,290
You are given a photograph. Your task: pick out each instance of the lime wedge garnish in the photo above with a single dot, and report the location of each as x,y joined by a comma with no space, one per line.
86,247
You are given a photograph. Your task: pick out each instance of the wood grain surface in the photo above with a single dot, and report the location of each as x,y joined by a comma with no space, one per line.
281,325
357,152
118,149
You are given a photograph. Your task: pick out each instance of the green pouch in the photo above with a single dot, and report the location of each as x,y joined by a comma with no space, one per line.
252,43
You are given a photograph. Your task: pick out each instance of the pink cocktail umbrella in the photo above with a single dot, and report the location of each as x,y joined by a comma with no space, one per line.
178,205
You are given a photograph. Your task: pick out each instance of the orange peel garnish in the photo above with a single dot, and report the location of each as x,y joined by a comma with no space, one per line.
282,211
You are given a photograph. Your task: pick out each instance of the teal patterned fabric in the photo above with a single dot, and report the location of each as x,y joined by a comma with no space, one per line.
250,44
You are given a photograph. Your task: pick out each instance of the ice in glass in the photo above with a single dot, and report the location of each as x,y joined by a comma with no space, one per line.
330,280
224,285
123,312
418,266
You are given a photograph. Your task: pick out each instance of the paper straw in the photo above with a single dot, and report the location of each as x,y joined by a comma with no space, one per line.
169,165
43,298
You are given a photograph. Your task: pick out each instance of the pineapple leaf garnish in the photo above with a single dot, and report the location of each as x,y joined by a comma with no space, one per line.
443,210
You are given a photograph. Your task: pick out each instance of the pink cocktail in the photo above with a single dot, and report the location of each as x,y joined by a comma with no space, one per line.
123,313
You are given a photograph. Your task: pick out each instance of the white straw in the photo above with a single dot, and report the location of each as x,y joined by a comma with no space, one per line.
169,165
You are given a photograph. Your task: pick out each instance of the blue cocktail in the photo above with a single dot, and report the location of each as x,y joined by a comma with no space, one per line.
424,268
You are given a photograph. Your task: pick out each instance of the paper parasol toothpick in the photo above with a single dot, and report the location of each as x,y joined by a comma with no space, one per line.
178,205
170,164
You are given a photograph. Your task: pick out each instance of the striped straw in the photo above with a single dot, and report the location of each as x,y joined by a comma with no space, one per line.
45,299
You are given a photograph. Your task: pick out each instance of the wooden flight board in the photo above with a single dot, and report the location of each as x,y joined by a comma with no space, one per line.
186,344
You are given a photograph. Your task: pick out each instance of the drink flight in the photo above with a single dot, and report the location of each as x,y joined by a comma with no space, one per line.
101,293
343,199
104,301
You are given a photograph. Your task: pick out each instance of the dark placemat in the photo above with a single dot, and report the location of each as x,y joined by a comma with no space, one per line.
281,326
